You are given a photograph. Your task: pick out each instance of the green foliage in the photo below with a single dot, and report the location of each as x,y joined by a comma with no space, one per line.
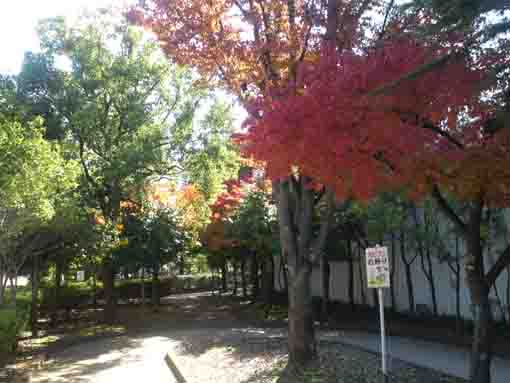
254,223
69,295
123,105
213,157
151,239
34,177
13,320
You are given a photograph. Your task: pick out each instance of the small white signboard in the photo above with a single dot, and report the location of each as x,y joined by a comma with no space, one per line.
80,276
378,277
378,267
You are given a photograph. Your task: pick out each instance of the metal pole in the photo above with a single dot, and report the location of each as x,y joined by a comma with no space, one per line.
383,335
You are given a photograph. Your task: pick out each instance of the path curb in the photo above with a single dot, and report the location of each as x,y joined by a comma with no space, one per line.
174,370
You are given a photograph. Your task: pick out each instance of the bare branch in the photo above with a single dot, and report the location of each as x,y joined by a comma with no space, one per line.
447,209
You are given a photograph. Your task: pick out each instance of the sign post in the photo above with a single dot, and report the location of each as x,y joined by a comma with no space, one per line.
378,277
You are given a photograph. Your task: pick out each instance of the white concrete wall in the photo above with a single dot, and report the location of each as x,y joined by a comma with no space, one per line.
443,276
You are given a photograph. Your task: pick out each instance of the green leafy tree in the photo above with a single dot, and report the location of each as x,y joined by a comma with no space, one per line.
126,114
34,176
153,238
213,158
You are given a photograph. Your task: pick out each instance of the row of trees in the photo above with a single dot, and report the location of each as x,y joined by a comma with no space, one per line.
92,129
242,232
345,105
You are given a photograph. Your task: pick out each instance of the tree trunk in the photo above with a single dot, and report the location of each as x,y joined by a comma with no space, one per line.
234,277
3,283
267,279
410,287
456,270
351,275
296,204
143,287
255,275
408,273
273,273
508,292
481,354
224,272
182,265
283,272
429,274
243,277
361,279
393,263
424,252
155,290
14,288
109,291
94,288
34,309
56,291
325,276
301,330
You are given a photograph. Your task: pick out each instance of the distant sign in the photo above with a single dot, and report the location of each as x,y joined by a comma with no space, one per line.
80,276
378,267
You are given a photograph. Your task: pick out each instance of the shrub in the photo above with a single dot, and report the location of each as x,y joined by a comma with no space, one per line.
13,320
72,295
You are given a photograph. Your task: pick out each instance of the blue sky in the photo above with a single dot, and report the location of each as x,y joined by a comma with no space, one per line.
18,20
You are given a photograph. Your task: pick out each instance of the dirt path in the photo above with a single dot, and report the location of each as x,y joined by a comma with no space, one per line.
210,339
196,326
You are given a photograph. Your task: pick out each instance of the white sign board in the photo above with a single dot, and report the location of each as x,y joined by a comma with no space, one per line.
80,276
378,267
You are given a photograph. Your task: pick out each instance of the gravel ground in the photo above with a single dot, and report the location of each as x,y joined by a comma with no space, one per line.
255,359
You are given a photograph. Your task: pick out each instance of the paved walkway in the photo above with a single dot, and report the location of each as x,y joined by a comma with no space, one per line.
448,359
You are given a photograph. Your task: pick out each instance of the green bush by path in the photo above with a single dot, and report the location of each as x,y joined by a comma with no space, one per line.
13,320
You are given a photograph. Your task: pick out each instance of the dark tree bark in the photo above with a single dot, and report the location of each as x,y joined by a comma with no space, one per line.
479,284
393,263
14,288
296,203
273,272
34,309
351,275
182,265
267,279
482,352
426,265
243,277
508,292
361,278
56,291
142,288
425,257
454,265
283,273
408,271
224,277
155,290
94,288
234,277
325,277
255,275
108,276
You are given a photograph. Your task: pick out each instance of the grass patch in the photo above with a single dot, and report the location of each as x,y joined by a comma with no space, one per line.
101,330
